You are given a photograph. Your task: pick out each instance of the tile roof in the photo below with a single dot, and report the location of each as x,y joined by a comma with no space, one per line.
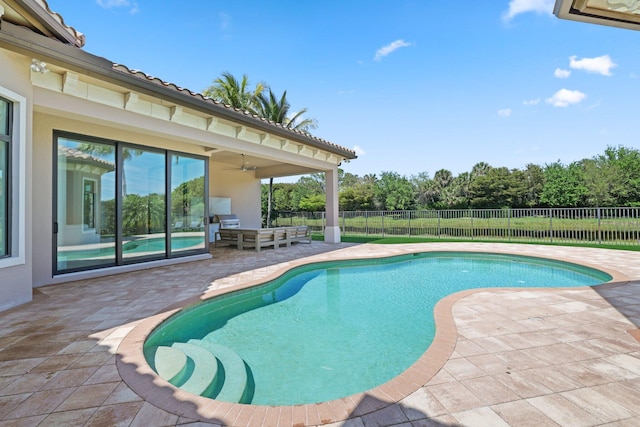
144,76
301,135
77,35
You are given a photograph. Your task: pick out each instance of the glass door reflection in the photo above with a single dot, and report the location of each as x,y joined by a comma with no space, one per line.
188,217
143,205
85,205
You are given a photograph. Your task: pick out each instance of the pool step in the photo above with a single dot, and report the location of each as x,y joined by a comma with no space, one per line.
204,368
171,364
234,388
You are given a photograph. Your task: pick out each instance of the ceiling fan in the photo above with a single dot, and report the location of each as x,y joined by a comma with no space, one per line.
244,167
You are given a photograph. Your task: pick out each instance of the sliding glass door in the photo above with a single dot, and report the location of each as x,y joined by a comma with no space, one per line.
188,200
143,204
113,206
85,203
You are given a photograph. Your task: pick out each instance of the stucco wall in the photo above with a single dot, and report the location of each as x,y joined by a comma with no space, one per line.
241,187
15,272
47,107
243,190
45,124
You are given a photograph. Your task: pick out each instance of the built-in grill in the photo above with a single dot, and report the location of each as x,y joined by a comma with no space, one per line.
226,221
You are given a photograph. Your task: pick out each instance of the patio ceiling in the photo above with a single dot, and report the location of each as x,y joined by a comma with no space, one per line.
614,13
259,166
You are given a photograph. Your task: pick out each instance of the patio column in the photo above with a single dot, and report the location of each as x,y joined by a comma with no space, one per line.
332,229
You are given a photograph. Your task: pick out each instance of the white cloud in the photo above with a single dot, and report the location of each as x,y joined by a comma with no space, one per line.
505,112
561,74
566,97
359,150
517,7
386,50
529,102
108,4
599,65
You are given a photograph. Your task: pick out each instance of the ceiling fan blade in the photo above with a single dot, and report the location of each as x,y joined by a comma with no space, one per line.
243,167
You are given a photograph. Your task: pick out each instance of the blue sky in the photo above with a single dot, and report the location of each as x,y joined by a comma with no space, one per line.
412,85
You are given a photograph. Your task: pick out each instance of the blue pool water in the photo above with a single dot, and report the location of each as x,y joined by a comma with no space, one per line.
333,329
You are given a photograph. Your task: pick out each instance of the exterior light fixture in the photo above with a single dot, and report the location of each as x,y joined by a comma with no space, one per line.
39,66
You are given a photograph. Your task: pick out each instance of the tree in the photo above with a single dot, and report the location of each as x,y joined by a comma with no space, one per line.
443,178
564,185
425,190
394,192
346,180
270,202
277,111
480,169
458,195
228,90
359,197
534,182
186,199
313,203
618,180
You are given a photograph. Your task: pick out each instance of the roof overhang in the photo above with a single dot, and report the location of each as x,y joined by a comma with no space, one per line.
36,15
613,13
25,41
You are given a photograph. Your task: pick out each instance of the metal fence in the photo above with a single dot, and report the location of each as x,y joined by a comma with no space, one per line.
610,226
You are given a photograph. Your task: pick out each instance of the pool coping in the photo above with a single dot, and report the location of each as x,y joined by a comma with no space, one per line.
139,376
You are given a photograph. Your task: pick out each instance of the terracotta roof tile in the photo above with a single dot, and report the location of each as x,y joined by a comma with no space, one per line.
79,37
142,75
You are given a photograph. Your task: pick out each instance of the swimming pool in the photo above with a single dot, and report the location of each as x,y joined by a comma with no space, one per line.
329,330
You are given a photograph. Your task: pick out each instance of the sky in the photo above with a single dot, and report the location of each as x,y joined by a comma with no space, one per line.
412,86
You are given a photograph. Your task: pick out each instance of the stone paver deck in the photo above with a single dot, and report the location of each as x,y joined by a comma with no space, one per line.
517,357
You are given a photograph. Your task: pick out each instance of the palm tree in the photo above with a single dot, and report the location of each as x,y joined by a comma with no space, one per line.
236,93
229,90
277,111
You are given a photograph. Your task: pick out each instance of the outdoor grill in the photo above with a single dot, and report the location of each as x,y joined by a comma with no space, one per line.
227,221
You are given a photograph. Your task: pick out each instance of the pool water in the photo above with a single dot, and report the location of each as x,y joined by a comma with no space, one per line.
329,330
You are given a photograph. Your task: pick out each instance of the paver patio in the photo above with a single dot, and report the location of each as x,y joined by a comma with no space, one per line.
521,357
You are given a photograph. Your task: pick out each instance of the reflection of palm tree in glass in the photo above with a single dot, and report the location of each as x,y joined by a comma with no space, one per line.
145,214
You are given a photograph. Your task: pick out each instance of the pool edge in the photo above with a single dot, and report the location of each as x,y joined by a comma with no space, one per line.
139,376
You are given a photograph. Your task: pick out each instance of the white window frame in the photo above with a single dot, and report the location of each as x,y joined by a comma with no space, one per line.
17,246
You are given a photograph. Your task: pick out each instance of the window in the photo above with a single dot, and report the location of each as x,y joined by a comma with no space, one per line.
113,203
13,178
5,175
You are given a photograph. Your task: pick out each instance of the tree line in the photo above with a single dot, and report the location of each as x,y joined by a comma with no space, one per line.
610,179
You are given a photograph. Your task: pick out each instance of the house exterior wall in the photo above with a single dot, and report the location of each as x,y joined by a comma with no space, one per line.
102,104
16,271
243,190
43,170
